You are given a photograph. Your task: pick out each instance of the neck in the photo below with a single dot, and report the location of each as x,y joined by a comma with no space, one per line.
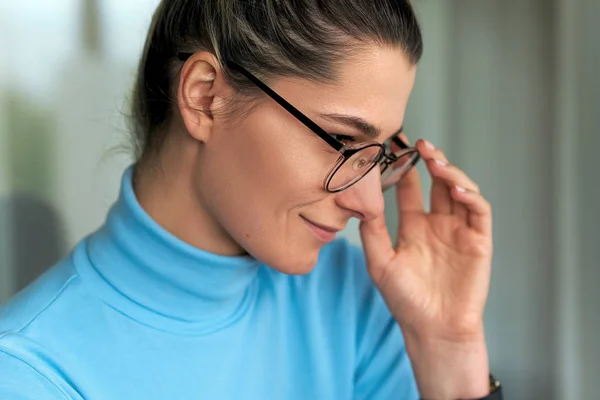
145,272
167,189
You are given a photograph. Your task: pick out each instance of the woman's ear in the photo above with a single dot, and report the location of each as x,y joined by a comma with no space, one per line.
196,94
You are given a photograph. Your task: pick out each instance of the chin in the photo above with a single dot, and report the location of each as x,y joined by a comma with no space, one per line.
296,261
295,254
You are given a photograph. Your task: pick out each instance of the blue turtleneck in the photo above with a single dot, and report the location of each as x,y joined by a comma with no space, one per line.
135,313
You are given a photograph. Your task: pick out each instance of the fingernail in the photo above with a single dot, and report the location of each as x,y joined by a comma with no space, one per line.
429,144
461,189
441,163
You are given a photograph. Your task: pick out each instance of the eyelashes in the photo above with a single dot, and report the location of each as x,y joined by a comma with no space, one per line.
344,138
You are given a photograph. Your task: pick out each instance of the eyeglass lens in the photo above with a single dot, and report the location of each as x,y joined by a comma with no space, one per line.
363,161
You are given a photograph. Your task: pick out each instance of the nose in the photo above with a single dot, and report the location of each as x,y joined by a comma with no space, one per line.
364,198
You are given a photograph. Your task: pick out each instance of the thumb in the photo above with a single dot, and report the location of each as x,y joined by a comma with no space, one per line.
377,244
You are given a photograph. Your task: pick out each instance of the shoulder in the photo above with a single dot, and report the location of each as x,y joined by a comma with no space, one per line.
44,311
38,297
383,369
341,274
27,320
20,380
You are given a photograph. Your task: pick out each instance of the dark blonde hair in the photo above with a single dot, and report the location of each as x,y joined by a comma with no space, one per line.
271,38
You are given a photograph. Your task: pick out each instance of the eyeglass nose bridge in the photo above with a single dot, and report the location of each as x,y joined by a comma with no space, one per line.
388,159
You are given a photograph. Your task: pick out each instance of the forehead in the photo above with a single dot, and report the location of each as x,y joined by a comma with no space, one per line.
374,84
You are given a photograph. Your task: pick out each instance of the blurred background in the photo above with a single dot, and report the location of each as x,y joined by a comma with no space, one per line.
510,89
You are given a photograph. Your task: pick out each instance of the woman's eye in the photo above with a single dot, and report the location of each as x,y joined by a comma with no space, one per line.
344,138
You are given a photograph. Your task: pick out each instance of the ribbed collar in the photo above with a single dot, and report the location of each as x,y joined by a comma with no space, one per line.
150,275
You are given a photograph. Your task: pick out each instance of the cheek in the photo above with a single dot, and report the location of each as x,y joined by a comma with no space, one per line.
257,173
254,179
269,156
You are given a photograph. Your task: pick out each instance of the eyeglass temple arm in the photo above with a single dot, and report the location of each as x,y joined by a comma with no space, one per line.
403,146
399,142
337,145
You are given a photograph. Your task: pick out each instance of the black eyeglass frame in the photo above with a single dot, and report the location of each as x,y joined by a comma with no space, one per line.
383,158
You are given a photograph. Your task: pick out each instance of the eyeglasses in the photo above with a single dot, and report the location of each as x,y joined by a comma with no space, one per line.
394,157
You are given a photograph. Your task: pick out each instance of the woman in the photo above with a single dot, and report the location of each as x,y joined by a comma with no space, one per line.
263,127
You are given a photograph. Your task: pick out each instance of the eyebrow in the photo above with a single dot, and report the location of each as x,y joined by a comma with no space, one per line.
358,123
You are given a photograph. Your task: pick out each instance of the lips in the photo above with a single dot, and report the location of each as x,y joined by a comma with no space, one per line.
322,232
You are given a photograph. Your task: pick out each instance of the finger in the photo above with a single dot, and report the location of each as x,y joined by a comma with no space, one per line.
460,210
451,175
377,245
409,193
440,200
480,210
428,150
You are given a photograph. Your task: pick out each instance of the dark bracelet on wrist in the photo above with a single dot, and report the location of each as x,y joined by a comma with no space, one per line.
495,390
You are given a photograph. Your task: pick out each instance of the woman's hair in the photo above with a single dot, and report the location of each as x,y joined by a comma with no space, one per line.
271,38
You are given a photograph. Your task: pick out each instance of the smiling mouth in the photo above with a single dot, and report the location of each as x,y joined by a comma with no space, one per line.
323,233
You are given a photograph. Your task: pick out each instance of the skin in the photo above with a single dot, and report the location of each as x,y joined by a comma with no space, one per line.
245,185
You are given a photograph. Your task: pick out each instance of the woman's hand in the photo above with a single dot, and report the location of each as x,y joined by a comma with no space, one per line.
435,281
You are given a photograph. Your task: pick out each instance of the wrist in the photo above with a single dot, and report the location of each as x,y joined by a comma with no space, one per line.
447,369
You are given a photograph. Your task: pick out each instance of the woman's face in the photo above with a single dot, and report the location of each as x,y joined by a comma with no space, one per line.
260,178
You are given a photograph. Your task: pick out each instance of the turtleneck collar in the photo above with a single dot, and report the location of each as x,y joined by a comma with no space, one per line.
150,275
